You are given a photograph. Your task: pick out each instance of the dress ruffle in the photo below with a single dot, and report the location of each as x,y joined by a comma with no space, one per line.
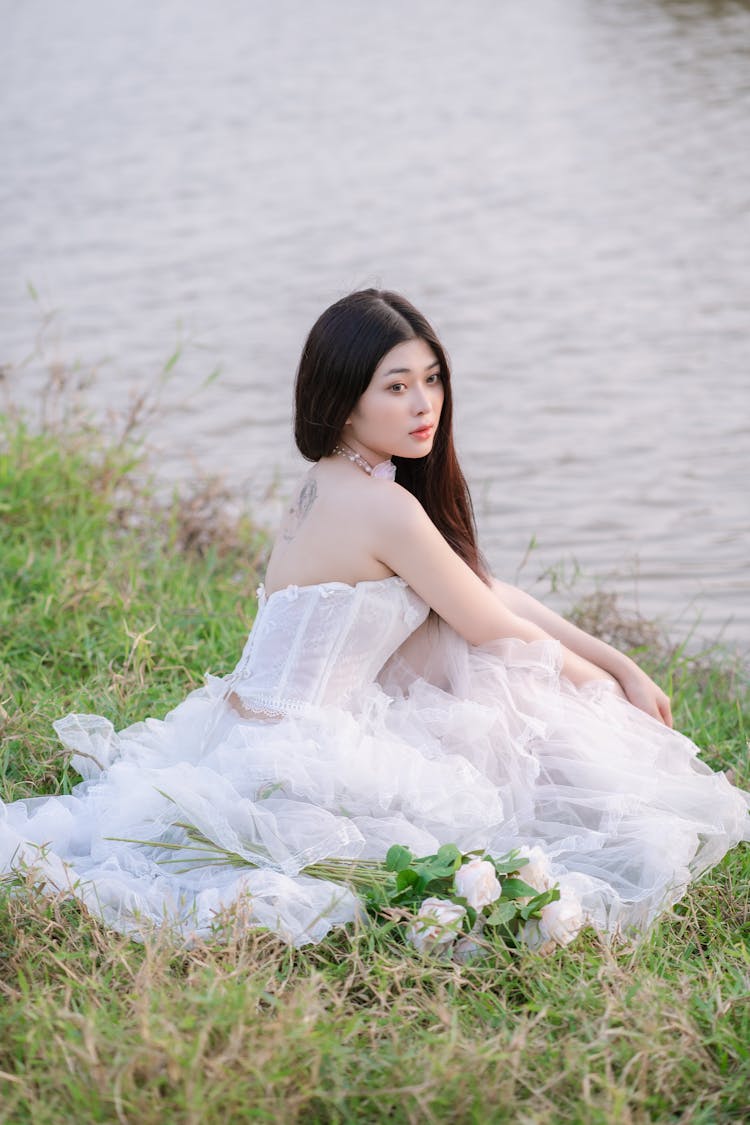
486,747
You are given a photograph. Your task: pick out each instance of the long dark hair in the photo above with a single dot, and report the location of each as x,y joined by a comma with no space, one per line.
340,355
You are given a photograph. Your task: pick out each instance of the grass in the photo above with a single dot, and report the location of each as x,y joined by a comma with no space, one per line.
113,603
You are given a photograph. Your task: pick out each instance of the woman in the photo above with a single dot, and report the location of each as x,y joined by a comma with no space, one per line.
392,398
389,692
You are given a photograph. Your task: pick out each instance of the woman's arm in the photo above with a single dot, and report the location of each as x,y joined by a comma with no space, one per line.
405,539
639,688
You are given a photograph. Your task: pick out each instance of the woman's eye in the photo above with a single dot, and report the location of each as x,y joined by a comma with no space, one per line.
395,386
434,378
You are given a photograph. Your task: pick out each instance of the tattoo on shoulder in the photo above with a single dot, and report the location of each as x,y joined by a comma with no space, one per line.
300,508
307,498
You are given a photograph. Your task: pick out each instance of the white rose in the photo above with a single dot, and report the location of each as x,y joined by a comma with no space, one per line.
477,882
536,937
466,950
537,871
564,918
470,946
560,923
436,924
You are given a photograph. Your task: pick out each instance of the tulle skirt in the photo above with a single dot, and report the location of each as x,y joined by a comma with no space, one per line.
491,750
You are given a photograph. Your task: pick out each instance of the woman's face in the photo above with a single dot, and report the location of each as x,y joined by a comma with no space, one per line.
399,412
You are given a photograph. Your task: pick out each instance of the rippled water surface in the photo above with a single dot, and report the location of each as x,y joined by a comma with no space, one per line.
561,186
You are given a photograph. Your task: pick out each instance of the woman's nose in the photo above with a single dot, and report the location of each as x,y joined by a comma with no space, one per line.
421,401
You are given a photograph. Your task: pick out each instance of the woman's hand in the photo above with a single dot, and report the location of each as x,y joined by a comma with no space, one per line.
597,659
642,692
631,683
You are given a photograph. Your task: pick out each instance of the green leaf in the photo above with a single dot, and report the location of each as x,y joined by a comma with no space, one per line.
438,881
534,907
211,378
406,878
503,913
516,888
506,867
432,870
449,856
397,858
172,361
420,883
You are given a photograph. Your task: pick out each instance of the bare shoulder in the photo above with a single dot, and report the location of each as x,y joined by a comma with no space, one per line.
400,526
407,541
393,506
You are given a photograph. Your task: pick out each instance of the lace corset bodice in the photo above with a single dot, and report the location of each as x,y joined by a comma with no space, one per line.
317,644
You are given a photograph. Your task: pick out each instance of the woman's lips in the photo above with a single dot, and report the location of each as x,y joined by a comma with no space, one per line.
423,433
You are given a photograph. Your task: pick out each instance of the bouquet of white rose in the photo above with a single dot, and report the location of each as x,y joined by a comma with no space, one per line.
443,903
453,897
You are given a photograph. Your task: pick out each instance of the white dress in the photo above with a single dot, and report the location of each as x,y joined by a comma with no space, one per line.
371,725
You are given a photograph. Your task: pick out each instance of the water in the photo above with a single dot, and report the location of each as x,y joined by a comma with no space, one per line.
561,187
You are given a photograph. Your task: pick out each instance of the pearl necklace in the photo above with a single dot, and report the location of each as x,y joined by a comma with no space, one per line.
385,469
